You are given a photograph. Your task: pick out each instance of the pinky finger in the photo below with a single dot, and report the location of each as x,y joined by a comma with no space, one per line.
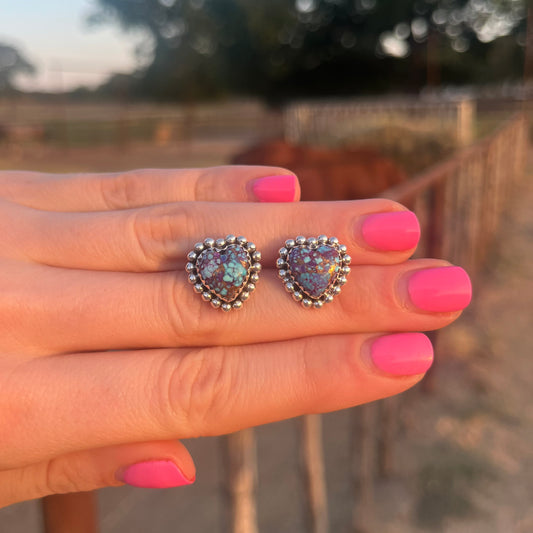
161,464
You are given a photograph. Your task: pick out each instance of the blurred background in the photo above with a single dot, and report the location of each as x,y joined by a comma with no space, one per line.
423,101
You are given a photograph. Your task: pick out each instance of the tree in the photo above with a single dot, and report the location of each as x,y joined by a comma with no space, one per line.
208,48
12,62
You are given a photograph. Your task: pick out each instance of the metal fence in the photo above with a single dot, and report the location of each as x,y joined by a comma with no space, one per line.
460,203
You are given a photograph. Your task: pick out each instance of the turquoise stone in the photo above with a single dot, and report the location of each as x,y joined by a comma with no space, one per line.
314,270
224,271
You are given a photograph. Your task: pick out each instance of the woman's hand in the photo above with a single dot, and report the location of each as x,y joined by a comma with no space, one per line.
95,263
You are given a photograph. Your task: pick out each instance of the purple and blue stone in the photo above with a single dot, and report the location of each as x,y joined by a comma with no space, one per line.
313,269
224,271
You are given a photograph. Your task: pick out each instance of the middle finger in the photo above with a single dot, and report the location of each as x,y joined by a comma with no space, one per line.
75,310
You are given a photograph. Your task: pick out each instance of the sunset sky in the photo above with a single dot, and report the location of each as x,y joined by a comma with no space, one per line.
55,37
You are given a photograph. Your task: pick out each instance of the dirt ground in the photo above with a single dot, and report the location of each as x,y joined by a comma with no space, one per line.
464,459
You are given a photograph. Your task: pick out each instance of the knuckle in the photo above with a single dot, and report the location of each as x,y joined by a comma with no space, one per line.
61,476
195,390
124,190
156,233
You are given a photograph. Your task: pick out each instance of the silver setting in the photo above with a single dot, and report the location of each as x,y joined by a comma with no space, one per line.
202,288
291,285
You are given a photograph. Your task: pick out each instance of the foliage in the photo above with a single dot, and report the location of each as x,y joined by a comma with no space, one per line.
12,62
208,48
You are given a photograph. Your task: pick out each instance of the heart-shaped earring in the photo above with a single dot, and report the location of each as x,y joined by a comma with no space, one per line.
313,269
224,271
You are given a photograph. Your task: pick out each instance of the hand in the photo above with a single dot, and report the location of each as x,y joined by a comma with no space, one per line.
94,263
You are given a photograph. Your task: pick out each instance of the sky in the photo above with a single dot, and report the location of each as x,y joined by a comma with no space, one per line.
54,36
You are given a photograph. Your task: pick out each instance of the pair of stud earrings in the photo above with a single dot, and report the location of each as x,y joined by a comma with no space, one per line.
225,271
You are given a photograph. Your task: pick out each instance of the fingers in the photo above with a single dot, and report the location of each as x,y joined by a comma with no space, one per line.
73,310
159,237
135,188
150,464
104,399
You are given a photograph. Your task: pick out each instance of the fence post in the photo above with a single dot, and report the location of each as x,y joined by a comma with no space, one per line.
241,464
70,513
314,473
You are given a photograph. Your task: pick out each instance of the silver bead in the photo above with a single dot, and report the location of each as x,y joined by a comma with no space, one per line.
219,243
280,263
256,267
244,296
216,303
237,304
318,304
209,243
297,296
226,307
328,298
231,239
190,267
289,286
300,240
307,303
346,270
193,278
346,259
250,287
342,280
191,256
283,252
333,240
207,296
256,256
336,290
282,273
342,248
199,288
290,244
242,240
312,242
199,247
254,278
250,247
322,239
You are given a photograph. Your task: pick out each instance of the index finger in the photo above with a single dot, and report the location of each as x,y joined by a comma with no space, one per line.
143,187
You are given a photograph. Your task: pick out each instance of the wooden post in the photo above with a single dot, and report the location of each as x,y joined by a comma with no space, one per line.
70,513
364,461
314,473
241,464
390,409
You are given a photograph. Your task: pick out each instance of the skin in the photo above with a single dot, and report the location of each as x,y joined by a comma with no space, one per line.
93,263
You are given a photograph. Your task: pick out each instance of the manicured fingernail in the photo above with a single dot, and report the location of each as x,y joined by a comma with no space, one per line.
275,188
440,289
402,354
394,231
153,475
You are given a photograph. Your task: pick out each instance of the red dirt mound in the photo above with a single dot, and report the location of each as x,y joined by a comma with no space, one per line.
328,173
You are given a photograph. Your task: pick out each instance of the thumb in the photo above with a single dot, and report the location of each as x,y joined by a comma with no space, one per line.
161,464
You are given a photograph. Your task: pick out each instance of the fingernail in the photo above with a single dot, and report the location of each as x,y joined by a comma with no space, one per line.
153,475
275,188
402,354
440,289
394,231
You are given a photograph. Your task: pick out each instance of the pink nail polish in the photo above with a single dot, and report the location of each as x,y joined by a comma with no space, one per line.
440,289
394,231
402,354
275,188
154,475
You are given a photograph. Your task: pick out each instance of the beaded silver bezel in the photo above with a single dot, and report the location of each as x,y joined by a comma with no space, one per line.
201,287
291,285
